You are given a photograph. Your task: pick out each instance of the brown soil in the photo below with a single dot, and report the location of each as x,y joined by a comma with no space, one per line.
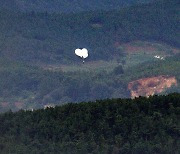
134,47
150,86
4,104
176,51
19,105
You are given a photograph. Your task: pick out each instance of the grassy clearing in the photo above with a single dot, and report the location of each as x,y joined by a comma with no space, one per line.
166,67
94,66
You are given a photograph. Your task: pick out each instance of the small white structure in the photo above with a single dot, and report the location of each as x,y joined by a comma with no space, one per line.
30,109
159,57
49,106
162,58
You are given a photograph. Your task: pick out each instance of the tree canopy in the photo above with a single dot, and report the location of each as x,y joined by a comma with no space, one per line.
142,125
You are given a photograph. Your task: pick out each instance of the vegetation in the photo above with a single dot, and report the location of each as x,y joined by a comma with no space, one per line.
67,6
38,68
32,42
52,38
33,87
142,125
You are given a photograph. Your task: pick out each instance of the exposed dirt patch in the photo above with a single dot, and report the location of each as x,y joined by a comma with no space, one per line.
150,86
176,51
4,104
134,49
147,47
19,105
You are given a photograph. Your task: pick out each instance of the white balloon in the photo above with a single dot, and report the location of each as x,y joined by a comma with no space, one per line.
83,53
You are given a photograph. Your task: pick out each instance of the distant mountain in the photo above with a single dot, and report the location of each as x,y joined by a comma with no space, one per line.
66,5
122,48
53,37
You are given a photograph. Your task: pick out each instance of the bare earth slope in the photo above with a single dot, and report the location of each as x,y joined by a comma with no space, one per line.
150,86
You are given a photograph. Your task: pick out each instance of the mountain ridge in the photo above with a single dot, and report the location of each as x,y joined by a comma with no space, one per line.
66,6
54,37
38,65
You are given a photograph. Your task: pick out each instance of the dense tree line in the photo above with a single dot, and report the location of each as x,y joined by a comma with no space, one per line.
142,125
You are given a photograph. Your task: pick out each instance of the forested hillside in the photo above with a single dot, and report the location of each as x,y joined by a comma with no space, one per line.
52,38
142,125
66,6
38,65
23,86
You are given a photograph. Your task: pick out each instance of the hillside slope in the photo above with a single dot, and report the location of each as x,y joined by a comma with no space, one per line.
143,125
52,38
25,87
122,48
66,6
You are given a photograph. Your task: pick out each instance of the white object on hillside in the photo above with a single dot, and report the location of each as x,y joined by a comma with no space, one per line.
83,53
162,58
159,57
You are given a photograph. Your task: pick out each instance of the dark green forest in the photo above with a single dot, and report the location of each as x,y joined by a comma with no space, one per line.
66,6
141,125
52,38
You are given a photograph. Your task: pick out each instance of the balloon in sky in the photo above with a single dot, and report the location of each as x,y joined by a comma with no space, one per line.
83,53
